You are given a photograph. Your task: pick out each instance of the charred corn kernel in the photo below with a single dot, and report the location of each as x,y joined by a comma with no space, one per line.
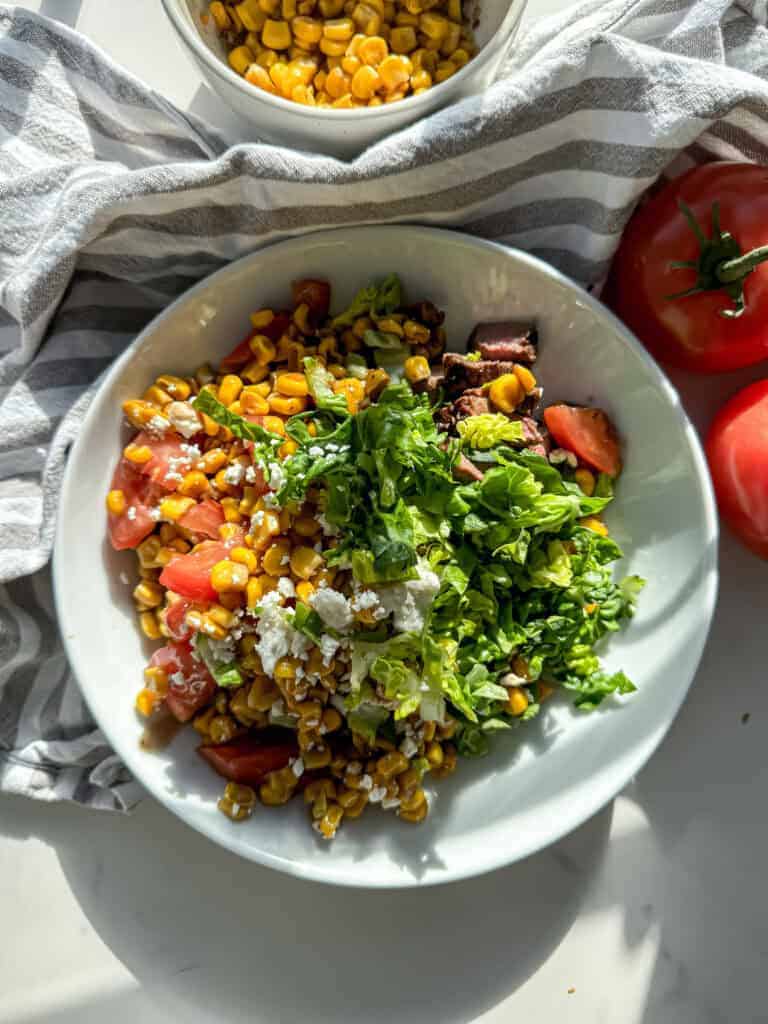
586,481
146,700
263,349
231,600
365,82
150,627
148,551
308,30
274,424
416,808
594,524
395,72
292,385
526,378
276,35
253,404
373,51
228,575
202,721
254,372
168,532
284,406
517,701
403,39
157,396
305,562
339,29
304,591
241,58
148,595
276,559
331,720
194,484
222,728
116,503
229,389
375,382
176,387
174,507
140,413
444,70
244,556
306,526
416,368
506,392
460,57
218,12
238,802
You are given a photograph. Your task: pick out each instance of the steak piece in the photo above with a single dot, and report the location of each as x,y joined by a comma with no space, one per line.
462,374
472,402
466,470
506,341
535,435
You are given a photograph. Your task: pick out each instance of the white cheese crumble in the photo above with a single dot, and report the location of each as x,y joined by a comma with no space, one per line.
234,473
328,647
277,637
366,782
297,767
276,476
184,418
157,426
409,601
390,802
408,747
333,608
377,794
328,528
285,587
131,513
154,513
250,475
315,452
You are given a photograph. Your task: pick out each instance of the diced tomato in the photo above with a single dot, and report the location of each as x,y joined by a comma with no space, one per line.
247,760
206,517
127,531
277,327
588,433
174,618
315,294
241,354
190,575
159,466
188,695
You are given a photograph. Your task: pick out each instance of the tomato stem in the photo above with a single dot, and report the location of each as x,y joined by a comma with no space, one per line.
737,269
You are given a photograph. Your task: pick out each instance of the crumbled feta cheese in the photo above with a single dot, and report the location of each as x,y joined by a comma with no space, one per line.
183,417
409,601
408,747
276,476
297,767
270,501
173,477
154,513
250,475
366,782
257,518
328,528
177,679
191,451
285,587
333,608
355,768
390,802
315,452
285,560
157,426
131,513
377,794
222,650
330,447
234,473
328,647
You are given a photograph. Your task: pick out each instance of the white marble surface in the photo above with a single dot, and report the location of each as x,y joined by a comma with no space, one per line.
654,912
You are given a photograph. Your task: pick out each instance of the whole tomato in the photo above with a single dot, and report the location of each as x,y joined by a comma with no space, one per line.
737,452
689,277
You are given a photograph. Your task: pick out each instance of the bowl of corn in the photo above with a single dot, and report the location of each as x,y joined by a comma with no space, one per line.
335,76
530,789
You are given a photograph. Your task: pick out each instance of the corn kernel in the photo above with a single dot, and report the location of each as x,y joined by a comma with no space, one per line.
146,700
148,594
227,575
586,481
444,70
341,29
367,19
292,385
276,35
372,51
402,40
308,30
150,626
275,425
139,414
305,562
287,449
594,524
421,79
276,559
395,72
337,83
219,14
332,48
241,58
365,82
116,503
231,507
304,591
416,368
244,557
526,378
174,507
460,57
212,461
517,701
194,484
306,526
157,396
506,392
284,406
254,372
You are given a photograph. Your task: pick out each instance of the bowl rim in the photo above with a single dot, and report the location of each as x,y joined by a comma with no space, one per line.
601,792
424,101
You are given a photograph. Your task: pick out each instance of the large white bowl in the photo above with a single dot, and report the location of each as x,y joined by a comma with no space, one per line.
547,777
340,133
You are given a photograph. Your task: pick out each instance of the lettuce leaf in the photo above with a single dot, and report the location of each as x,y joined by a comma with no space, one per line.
488,430
226,673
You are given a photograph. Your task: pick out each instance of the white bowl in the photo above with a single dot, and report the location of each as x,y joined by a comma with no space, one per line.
547,777
340,133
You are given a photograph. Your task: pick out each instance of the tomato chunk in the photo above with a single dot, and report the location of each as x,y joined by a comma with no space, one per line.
190,575
241,354
174,616
169,461
247,760
315,294
206,517
190,684
129,529
588,433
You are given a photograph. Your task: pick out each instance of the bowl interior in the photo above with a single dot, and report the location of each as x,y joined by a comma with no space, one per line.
538,782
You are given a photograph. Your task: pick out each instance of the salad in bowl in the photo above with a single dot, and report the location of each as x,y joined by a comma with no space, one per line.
360,556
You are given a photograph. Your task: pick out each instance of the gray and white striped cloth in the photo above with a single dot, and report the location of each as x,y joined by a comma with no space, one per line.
112,202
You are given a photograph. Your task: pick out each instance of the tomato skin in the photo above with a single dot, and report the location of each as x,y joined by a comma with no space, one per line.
185,697
141,495
588,433
205,517
190,575
247,760
316,294
737,452
174,618
242,354
690,333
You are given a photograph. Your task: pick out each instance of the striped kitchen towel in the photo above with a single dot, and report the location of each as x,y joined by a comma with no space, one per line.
112,202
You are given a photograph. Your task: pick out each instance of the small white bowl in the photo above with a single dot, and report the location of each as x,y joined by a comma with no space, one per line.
545,778
340,133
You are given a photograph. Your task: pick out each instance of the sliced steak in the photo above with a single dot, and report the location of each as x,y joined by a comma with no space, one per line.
535,435
462,374
472,403
466,470
506,341
531,402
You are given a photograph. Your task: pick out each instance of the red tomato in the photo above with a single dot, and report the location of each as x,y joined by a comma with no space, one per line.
190,575
185,696
315,294
737,450
159,466
174,618
692,332
140,494
588,433
206,517
247,760
241,354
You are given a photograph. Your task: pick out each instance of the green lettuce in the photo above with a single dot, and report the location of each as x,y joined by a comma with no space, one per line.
226,673
488,430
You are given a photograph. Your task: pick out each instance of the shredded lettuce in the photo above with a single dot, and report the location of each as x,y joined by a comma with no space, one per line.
240,427
320,384
488,429
377,300
226,673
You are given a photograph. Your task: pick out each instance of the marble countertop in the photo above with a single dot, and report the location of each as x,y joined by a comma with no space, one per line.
653,912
